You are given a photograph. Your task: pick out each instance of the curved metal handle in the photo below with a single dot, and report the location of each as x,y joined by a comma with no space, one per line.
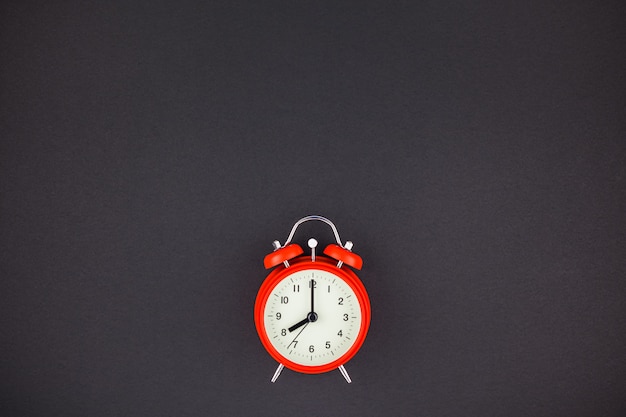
309,218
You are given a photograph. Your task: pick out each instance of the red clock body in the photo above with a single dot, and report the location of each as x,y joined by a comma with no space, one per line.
312,314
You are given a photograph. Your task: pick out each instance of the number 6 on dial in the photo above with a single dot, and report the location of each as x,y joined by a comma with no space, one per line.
312,312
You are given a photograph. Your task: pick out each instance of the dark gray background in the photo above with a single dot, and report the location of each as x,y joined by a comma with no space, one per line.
473,150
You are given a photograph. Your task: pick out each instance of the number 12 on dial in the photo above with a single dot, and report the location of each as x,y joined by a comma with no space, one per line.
312,312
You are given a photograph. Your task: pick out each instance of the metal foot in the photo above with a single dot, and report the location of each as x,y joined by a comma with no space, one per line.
278,371
345,374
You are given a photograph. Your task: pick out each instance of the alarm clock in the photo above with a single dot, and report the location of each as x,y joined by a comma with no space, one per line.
312,312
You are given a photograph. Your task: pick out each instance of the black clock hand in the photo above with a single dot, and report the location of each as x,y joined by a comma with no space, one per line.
298,324
310,318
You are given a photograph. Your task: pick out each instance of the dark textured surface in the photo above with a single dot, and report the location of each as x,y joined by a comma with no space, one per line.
473,151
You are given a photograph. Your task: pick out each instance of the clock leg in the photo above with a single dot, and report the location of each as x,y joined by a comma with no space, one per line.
278,371
343,371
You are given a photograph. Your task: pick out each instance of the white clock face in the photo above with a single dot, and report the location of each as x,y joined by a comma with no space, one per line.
312,317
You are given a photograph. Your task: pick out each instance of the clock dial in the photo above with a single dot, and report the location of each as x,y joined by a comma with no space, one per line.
312,317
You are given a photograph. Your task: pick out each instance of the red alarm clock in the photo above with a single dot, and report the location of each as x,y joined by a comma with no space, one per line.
312,312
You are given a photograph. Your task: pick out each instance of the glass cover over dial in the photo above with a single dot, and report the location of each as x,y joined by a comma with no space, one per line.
312,317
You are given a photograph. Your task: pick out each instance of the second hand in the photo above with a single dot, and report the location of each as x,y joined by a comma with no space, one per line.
294,339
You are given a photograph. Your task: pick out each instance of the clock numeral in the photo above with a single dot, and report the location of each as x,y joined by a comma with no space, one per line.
340,333
329,288
345,317
278,316
284,299
340,301
313,282
311,348
283,332
296,288
328,345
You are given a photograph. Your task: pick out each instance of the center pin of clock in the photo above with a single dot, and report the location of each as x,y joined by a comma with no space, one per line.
312,316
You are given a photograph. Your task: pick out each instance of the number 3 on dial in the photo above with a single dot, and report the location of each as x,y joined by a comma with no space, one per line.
312,313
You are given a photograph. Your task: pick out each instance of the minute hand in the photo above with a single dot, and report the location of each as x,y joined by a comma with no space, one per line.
312,296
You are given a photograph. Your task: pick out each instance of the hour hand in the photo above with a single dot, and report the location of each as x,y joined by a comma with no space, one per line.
310,318
299,324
